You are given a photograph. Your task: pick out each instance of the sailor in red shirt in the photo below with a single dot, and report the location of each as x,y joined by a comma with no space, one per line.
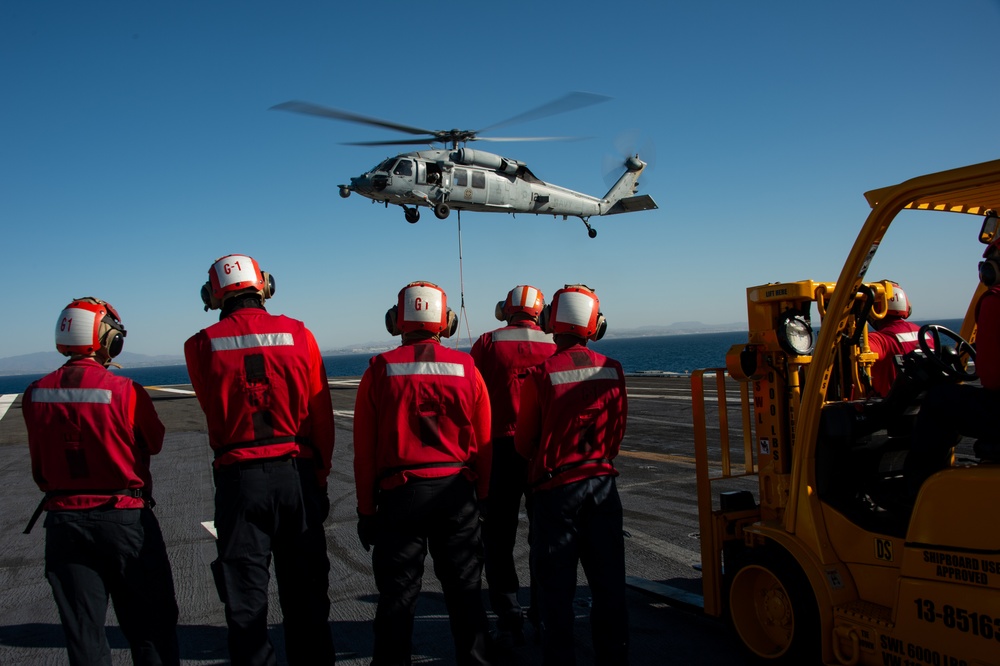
952,410
261,382
421,460
504,357
893,336
91,434
570,426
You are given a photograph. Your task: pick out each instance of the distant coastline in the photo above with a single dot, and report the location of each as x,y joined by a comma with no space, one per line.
43,362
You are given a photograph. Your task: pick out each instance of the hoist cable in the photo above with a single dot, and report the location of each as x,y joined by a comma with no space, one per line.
462,314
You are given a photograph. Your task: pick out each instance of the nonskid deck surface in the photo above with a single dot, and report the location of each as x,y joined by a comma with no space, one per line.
657,486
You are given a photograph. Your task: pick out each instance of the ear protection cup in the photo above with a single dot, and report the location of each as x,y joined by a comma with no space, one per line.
989,272
210,301
114,346
268,290
390,321
499,312
545,319
602,327
452,324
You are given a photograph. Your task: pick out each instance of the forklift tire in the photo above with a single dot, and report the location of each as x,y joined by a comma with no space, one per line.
773,609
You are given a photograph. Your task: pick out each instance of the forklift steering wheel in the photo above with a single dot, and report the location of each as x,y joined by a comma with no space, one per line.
947,359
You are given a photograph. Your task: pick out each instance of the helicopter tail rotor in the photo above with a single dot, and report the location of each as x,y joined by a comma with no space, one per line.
627,146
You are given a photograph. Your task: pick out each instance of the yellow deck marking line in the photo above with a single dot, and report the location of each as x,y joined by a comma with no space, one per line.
657,457
164,389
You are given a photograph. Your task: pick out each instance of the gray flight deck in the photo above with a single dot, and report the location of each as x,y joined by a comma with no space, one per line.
657,486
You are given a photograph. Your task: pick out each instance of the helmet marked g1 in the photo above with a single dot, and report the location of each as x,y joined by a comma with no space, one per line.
421,306
88,326
522,298
232,274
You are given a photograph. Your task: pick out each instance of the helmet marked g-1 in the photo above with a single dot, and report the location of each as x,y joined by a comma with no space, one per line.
421,306
522,298
575,310
232,274
88,326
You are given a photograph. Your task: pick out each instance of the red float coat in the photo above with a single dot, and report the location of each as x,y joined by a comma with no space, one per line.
504,357
572,418
988,339
896,337
90,430
419,405
261,382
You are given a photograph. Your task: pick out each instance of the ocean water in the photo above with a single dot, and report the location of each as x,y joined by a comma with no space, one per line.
678,354
666,353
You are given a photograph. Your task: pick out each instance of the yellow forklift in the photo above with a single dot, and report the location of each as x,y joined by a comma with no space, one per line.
810,546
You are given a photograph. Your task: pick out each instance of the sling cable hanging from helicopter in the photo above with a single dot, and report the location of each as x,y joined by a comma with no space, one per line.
461,283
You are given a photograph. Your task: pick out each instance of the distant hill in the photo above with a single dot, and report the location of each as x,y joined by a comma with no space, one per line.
42,362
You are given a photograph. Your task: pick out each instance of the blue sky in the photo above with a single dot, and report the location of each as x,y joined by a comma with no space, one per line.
138,146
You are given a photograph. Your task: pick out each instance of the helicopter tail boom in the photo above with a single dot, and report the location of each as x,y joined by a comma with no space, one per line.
622,195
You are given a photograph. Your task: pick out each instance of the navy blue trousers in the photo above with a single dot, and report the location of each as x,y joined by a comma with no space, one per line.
93,554
508,483
580,523
439,515
273,508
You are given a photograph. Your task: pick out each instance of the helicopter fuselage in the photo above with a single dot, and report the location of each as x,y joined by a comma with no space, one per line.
475,180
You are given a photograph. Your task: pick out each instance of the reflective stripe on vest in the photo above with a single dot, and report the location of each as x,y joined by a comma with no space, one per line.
908,336
72,395
582,375
252,340
521,334
424,368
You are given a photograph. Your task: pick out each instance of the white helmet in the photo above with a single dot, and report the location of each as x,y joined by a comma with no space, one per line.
232,274
421,306
88,326
576,310
899,305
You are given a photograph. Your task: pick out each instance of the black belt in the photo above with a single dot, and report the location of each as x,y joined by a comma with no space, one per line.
393,471
128,492
548,476
234,468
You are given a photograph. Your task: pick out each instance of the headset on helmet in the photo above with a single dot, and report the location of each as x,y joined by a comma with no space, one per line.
989,268
232,274
421,306
522,299
899,305
575,310
88,326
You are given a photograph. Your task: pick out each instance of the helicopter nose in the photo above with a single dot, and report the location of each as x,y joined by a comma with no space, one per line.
361,184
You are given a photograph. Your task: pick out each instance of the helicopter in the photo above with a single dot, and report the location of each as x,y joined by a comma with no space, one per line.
460,178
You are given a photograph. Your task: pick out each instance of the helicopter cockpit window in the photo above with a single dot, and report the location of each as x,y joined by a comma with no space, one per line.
461,178
478,179
385,165
403,168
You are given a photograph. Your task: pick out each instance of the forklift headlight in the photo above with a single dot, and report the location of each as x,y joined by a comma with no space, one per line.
795,335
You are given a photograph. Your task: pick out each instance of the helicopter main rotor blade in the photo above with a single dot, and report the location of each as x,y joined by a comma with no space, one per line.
398,142
568,102
311,109
529,138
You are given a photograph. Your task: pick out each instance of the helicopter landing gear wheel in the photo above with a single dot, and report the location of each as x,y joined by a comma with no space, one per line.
412,215
773,610
591,231
441,211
